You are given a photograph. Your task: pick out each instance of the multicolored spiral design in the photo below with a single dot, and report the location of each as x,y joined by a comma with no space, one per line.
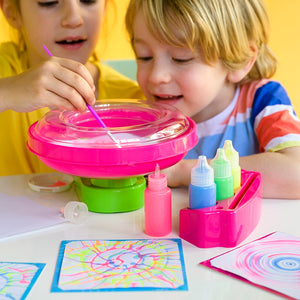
271,261
122,264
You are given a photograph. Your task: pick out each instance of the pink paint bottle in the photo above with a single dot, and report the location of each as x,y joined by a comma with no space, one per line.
158,205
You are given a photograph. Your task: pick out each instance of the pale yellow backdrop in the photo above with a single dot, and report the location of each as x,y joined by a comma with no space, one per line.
285,41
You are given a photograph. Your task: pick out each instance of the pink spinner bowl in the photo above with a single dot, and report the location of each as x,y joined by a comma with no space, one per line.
147,133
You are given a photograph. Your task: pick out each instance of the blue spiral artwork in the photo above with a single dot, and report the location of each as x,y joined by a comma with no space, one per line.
272,262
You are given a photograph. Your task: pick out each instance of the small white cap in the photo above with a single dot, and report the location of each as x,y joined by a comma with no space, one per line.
75,212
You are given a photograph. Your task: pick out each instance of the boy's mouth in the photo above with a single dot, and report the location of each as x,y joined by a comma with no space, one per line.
71,41
168,97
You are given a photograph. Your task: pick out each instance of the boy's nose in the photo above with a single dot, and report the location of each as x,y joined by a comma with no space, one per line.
72,15
159,73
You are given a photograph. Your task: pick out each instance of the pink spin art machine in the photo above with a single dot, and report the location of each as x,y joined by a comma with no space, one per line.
109,163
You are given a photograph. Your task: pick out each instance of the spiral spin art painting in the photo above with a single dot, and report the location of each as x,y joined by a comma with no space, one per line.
272,262
120,265
17,279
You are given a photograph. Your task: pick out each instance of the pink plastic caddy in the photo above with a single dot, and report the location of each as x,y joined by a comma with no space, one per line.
230,221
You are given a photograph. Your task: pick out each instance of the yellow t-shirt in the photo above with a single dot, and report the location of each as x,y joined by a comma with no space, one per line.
15,158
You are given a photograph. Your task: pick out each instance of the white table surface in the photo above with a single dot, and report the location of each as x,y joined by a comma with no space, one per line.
42,246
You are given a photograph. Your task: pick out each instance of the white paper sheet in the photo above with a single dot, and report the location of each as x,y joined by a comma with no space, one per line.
20,214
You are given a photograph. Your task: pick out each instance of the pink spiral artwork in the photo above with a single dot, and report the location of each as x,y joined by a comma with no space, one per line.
272,262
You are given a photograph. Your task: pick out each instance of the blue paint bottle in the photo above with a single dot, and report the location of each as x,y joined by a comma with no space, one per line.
202,189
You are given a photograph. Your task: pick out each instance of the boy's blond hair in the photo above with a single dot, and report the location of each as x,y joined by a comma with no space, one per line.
219,29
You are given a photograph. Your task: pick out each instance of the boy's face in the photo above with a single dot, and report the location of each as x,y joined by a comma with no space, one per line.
180,77
69,28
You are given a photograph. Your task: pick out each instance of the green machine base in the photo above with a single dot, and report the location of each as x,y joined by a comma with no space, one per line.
111,195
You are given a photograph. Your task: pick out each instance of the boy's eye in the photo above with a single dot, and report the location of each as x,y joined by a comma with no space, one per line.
182,60
88,1
47,3
143,58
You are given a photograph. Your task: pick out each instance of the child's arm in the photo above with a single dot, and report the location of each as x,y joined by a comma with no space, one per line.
280,171
180,174
57,82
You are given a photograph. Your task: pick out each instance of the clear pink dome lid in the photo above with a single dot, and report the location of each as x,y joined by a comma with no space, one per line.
146,133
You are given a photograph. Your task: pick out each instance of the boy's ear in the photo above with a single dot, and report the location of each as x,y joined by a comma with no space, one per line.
11,13
237,75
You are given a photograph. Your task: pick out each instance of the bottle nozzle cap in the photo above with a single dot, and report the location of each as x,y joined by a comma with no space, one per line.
231,154
221,165
157,171
75,212
202,174
157,180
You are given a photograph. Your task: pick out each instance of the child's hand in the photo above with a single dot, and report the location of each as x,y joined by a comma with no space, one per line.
57,82
180,173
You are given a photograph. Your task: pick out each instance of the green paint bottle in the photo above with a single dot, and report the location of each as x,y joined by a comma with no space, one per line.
222,175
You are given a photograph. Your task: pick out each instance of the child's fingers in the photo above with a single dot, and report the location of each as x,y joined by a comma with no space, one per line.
75,89
77,68
66,92
61,103
76,86
54,100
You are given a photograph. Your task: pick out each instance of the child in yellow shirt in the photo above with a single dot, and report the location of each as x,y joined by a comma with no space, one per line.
30,81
